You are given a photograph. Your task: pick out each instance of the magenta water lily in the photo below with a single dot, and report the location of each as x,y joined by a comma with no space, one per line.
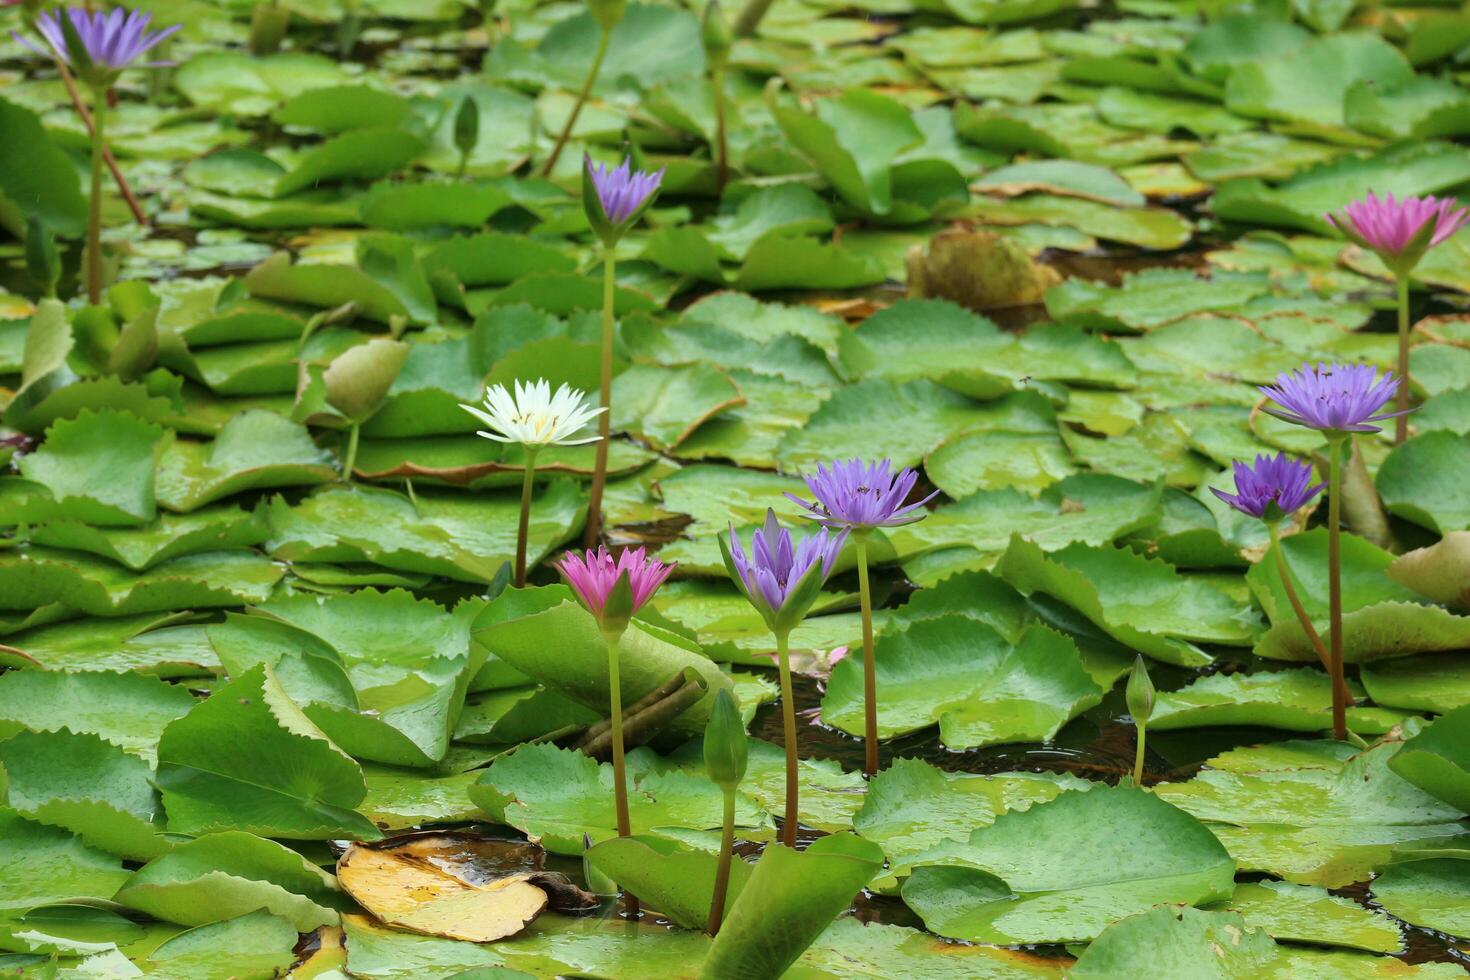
1271,487
1400,230
862,496
1333,397
596,575
110,40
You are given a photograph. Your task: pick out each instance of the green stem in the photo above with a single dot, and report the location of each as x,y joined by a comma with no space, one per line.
722,872
566,131
1339,691
1140,736
750,17
528,481
722,152
788,724
870,668
94,203
464,162
350,459
620,780
1334,579
604,421
1401,424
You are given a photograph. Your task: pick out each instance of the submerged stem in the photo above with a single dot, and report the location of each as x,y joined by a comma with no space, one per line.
870,669
1334,580
94,201
1339,690
722,872
1401,424
788,724
566,131
604,421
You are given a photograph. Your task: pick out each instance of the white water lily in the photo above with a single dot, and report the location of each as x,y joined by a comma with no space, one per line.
534,417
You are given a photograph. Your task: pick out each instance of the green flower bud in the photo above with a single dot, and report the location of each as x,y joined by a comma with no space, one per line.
607,13
715,35
1140,693
467,126
359,379
726,748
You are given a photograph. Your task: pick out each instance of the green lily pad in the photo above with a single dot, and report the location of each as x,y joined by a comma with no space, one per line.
1310,914
1431,894
224,875
405,799
1150,299
211,780
555,796
255,450
1421,481
1016,881
127,709
1381,618
1435,759
40,576
1183,940
664,406
260,944
222,528
789,899
1293,700
979,688
98,468
1314,813
912,807
237,82
88,786
43,865
675,880
1145,604
1436,682
1307,85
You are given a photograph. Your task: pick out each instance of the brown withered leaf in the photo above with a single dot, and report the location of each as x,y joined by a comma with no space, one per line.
977,269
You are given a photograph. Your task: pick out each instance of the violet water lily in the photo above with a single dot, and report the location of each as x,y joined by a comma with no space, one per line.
1338,400
782,576
1272,489
861,497
533,417
97,47
1400,231
613,201
612,590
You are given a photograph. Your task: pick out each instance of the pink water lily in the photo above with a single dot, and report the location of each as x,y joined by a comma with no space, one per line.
593,574
1390,225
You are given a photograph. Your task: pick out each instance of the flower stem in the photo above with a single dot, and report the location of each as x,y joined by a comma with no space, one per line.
1140,736
722,152
722,872
1334,579
350,459
788,724
528,481
1339,690
1401,424
604,421
620,775
870,668
750,17
566,131
94,202
107,155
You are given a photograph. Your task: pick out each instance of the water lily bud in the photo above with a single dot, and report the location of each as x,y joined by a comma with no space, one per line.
42,262
726,748
715,35
607,13
467,126
1140,693
268,25
359,379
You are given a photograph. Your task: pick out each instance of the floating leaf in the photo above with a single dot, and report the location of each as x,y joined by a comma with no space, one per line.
98,467
1016,881
1294,700
1431,894
1422,481
1436,761
127,709
1309,914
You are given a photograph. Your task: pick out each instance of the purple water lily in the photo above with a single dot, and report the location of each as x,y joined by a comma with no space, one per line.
862,496
1272,487
1333,398
113,39
623,191
1389,225
778,561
